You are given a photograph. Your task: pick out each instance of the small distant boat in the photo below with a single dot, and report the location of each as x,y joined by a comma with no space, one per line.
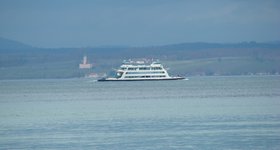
141,71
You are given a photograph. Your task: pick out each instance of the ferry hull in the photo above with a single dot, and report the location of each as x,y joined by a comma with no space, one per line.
115,79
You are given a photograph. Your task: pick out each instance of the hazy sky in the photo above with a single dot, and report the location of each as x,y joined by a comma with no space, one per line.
76,23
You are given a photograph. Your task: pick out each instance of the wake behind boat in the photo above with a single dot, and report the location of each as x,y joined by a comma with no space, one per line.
140,71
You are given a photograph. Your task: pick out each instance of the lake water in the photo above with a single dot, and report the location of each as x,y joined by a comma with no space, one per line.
200,113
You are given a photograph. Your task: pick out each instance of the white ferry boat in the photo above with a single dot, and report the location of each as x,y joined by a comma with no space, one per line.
141,71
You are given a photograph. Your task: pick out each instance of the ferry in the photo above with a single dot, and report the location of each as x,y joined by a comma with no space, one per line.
141,71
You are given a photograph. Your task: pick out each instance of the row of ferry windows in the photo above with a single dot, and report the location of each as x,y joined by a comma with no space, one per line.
152,72
143,68
145,76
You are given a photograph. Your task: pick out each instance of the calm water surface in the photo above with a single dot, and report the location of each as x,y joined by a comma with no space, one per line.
201,113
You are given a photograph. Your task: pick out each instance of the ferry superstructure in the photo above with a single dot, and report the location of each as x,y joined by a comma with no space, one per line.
141,71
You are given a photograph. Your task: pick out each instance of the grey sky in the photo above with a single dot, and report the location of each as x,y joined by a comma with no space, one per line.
76,23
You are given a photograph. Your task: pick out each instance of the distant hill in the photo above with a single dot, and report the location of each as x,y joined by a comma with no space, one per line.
204,45
7,44
18,60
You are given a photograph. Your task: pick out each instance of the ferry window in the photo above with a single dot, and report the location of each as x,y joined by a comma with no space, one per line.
119,74
156,68
131,68
144,68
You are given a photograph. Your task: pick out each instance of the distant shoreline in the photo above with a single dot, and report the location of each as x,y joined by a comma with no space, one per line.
186,59
7,79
